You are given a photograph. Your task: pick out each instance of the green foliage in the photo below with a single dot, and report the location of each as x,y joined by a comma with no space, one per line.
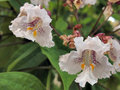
19,81
31,57
3,0
27,56
53,55
61,25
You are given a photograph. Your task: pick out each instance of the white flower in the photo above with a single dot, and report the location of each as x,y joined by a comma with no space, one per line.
41,2
33,23
114,54
82,3
90,58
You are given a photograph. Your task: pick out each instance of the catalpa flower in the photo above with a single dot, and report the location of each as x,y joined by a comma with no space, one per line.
89,58
82,3
33,23
114,54
41,2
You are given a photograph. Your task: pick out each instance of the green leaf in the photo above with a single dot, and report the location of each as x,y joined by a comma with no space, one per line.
48,81
61,25
53,55
116,16
17,4
27,56
3,0
97,87
19,81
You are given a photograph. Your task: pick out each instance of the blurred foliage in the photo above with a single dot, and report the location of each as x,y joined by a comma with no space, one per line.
22,55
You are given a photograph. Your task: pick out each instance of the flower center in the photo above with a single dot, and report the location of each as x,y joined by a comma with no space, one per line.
35,25
88,59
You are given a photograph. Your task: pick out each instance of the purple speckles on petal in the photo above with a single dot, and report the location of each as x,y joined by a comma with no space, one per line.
78,60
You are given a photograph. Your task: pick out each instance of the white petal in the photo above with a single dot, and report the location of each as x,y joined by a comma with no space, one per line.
79,43
69,63
97,45
103,68
45,38
116,52
92,44
117,65
86,76
116,45
91,2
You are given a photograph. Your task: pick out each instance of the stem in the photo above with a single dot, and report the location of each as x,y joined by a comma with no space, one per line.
76,15
55,31
11,44
7,34
113,32
58,8
34,68
116,30
48,80
77,19
98,20
99,26
5,16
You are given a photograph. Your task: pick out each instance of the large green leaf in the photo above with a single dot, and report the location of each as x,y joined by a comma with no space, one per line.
5,38
53,55
27,56
19,81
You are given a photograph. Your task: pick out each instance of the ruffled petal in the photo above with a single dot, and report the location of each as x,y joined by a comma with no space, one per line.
103,68
92,44
86,76
44,38
115,53
70,63
97,45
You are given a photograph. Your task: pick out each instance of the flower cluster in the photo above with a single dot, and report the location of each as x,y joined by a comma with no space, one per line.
89,60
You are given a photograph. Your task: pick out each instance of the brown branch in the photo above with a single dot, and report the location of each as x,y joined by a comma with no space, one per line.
55,31
77,19
99,26
98,20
